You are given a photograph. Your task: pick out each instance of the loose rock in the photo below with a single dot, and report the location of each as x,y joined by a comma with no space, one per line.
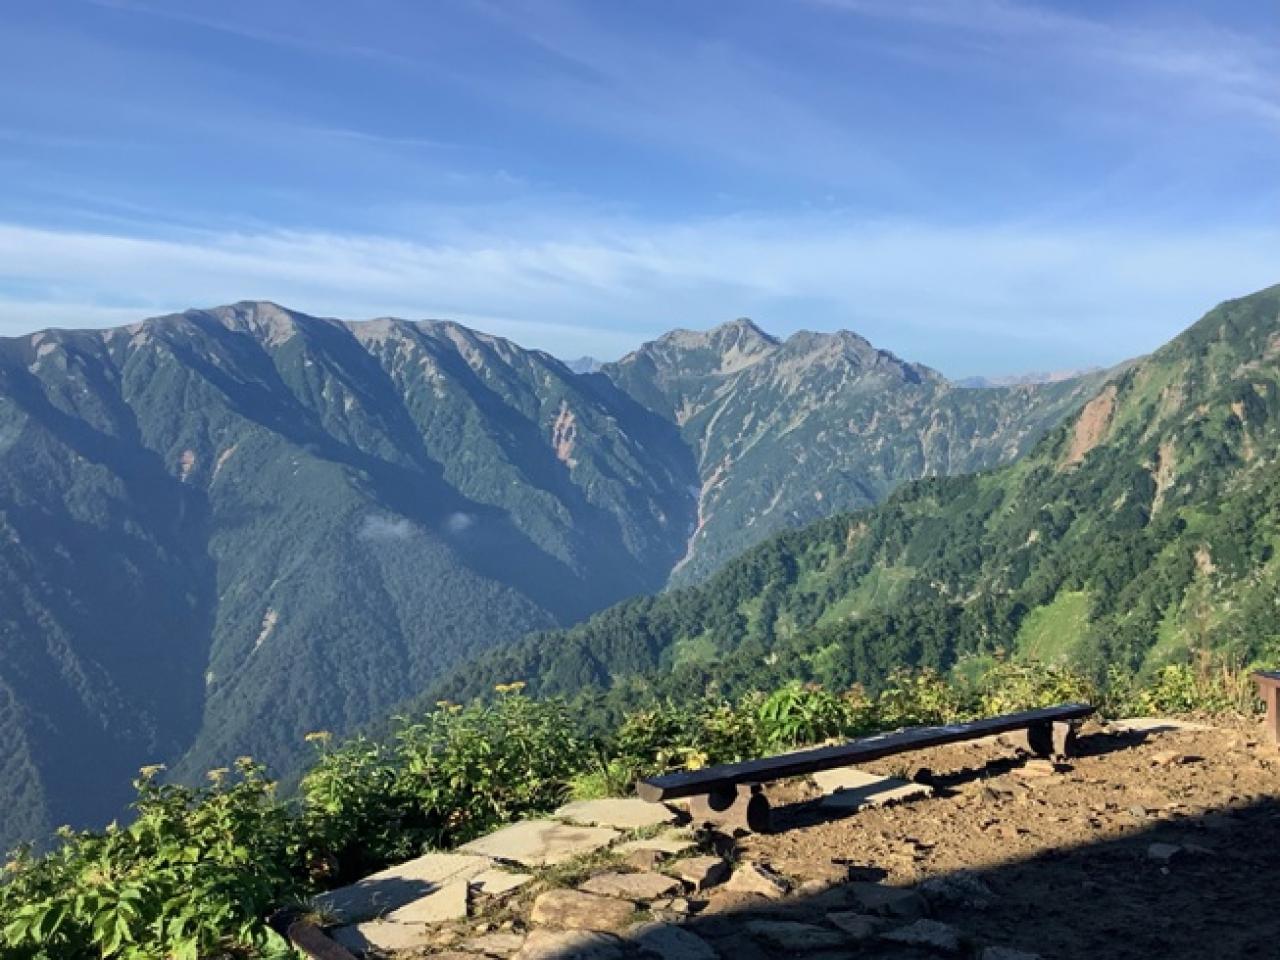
494,944
927,933
1163,852
755,878
1006,953
889,901
667,941
794,937
857,926
569,945
701,872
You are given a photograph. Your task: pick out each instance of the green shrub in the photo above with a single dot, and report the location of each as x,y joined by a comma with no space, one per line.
352,812
805,714
199,870
1021,685
920,697
193,876
464,769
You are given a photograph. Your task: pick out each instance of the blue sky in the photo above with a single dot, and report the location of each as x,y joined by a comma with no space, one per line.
987,186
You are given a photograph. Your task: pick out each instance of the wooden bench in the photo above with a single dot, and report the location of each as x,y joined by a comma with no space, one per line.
1268,682
730,796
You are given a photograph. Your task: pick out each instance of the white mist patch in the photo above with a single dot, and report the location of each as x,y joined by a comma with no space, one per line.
459,522
386,529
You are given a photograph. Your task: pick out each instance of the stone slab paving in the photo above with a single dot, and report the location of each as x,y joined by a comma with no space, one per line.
632,886
496,882
501,943
569,945
447,903
398,886
383,936
667,941
852,789
541,843
1154,725
670,842
621,813
575,910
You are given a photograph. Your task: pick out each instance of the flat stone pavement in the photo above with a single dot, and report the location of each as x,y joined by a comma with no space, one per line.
618,909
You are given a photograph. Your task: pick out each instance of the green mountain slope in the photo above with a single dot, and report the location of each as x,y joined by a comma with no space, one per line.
222,529
787,432
1141,530
225,528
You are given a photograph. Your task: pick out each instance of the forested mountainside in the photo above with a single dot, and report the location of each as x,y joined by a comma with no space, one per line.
225,528
787,432
1138,532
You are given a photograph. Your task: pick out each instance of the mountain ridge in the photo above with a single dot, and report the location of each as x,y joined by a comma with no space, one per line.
1140,532
225,527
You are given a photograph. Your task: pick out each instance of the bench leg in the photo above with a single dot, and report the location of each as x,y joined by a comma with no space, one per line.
1270,695
1049,740
744,808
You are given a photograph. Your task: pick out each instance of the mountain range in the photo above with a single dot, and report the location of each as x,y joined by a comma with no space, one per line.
1140,532
224,528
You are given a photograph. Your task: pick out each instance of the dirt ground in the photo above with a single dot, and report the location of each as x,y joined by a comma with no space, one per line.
1069,855
1156,844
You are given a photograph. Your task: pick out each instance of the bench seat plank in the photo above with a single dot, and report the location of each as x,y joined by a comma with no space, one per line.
690,783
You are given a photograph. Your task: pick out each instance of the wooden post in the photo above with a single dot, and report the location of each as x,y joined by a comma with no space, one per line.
1269,689
744,808
1049,740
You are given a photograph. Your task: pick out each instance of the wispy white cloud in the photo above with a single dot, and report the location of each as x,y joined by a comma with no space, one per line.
991,298
1220,66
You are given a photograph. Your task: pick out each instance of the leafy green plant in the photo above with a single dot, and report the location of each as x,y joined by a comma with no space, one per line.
465,769
920,697
801,713
193,876
1027,684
